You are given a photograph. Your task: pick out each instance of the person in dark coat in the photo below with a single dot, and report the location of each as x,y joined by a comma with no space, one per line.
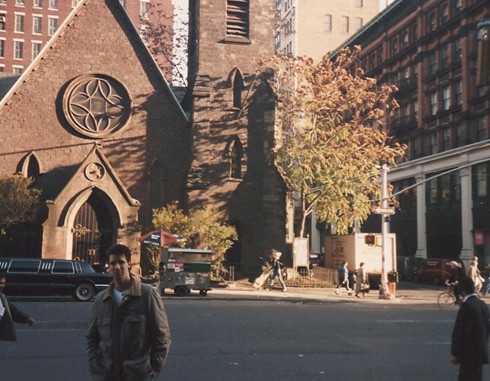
10,314
469,342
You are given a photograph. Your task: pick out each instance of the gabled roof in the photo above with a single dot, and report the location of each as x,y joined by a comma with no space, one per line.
112,180
116,6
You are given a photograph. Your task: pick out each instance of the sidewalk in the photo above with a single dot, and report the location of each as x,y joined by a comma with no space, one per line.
407,293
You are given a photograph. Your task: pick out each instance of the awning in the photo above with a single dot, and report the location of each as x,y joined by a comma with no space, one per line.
159,238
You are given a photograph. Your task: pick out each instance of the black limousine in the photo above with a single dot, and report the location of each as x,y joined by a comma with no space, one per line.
35,276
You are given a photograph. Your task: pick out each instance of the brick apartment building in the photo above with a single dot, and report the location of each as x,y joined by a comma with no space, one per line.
429,50
27,25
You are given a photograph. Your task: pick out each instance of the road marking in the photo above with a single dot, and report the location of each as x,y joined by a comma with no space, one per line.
415,321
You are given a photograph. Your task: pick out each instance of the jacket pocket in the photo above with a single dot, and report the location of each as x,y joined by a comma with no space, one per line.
135,333
137,369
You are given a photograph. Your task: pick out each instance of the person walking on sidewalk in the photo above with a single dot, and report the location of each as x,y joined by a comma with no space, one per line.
10,314
361,281
276,270
469,341
343,279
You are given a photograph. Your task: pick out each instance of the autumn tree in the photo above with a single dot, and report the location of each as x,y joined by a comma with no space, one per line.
166,37
202,229
18,200
331,135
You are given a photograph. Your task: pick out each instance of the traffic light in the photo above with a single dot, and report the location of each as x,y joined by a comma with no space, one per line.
370,239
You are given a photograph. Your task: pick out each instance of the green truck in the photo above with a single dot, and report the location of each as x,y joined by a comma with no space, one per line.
184,270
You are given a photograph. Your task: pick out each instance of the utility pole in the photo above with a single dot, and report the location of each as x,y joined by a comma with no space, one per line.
385,230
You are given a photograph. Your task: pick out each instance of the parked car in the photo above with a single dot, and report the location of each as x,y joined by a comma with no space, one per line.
35,276
434,270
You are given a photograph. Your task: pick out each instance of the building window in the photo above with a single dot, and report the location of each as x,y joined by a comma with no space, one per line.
20,3
74,3
3,19
379,55
2,68
237,18
444,13
344,24
394,46
457,4
433,103
445,56
18,50
434,143
358,23
38,3
457,50
458,91
404,40
36,49
446,98
17,69
328,23
433,191
481,180
2,48
415,110
431,22
446,188
236,157
144,8
413,32
237,89
19,23
52,25
53,4
37,24
446,139
432,63
481,128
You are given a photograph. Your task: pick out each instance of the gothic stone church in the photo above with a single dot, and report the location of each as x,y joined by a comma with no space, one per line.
94,122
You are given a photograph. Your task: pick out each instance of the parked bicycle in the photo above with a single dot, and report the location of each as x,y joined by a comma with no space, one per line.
447,299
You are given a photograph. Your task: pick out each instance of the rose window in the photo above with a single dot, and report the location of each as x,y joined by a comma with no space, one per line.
97,105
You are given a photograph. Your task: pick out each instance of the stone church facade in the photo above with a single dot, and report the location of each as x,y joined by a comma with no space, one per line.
94,122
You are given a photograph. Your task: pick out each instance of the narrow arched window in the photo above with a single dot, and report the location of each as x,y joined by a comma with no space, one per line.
30,166
237,89
236,155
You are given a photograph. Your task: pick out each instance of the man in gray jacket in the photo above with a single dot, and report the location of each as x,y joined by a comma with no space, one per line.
128,338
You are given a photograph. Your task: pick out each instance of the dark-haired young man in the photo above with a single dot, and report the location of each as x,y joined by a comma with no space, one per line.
128,337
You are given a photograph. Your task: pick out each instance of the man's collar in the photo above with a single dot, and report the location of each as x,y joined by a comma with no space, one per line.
468,296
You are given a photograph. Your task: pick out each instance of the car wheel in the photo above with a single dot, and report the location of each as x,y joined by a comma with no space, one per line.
84,292
203,292
180,291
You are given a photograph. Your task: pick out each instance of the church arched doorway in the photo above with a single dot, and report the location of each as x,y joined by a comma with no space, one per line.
92,232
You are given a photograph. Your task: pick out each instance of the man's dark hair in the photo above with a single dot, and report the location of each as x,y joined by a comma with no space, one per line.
467,285
119,249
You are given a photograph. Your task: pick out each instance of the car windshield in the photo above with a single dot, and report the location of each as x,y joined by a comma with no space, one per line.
86,268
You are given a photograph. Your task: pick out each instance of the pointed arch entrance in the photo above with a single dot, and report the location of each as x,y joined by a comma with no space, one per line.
93,231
